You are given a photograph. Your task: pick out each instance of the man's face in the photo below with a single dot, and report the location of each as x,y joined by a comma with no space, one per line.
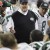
2,9
24,6
43,11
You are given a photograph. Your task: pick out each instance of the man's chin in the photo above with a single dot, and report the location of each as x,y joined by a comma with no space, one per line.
24,10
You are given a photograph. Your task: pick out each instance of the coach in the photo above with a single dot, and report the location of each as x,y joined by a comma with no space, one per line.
24,22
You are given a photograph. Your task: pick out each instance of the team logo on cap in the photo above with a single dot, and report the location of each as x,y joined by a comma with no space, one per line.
45,4
1,3
32,19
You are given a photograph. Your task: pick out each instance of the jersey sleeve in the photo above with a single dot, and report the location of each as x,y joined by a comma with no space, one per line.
35,16
24,46
46,46
10,24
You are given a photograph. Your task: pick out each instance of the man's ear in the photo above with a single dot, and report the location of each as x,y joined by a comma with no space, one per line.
46,37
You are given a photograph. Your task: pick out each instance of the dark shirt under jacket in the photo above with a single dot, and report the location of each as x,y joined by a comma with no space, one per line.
23,25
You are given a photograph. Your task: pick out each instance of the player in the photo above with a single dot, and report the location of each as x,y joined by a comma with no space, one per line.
36,38
42,18
5,18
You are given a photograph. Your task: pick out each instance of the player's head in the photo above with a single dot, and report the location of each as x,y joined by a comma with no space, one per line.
36,35
8,40
43,8
39,3
13,1
3,5
24,5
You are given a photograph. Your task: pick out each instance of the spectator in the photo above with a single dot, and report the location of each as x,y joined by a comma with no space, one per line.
24,22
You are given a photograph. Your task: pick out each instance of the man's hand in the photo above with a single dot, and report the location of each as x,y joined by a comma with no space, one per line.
1,29
12,30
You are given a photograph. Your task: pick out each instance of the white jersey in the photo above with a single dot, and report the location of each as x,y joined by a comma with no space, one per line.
6,21
36,45
42,22
46,46
24,46
8,11
3,48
